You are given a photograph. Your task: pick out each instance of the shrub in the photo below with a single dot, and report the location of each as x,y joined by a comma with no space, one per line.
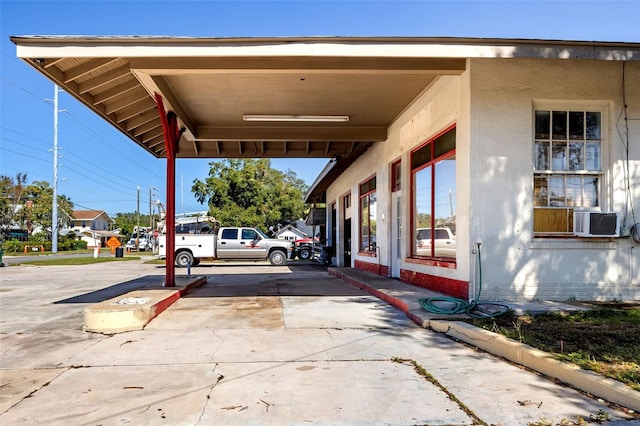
13,246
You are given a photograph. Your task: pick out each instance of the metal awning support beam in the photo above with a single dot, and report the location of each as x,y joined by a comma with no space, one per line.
171,138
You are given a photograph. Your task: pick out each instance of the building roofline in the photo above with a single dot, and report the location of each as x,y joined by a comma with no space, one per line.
168,40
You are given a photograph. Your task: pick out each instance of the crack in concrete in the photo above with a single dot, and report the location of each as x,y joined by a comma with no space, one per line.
206,402
213,353
431,379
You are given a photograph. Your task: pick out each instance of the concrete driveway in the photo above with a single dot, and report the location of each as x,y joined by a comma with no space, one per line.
256,344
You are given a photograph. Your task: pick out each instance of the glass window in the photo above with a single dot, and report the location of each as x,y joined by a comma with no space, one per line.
229,234
541,160
249,234
395,176
368,216
434,197
567,162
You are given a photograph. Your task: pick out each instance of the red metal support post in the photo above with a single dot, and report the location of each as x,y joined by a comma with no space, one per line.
171,139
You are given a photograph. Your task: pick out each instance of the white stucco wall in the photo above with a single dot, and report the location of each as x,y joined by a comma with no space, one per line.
434,111
503,96
492,106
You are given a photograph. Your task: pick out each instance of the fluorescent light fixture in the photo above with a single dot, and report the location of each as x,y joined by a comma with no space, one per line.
316,118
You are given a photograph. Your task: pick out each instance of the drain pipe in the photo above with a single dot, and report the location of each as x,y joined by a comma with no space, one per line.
474,251
476,261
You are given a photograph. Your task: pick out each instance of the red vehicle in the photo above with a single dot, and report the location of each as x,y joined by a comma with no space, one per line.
302,248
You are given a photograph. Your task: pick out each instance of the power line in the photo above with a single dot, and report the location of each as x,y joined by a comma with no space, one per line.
93,179
24,90
109,144
79,124
109,172
22,154
88,130
25,135
67,159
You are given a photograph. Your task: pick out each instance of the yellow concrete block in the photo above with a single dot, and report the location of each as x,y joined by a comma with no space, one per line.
130,311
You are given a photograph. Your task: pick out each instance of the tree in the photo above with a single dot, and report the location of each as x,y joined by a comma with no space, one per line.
38,206
248,192
126,222
11,192
29,207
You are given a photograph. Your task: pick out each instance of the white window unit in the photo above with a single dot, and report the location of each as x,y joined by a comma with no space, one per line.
596,224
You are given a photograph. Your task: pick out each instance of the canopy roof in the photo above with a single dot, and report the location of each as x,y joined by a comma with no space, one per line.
213,84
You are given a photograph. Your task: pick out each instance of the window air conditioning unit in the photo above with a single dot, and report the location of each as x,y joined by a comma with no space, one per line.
596,224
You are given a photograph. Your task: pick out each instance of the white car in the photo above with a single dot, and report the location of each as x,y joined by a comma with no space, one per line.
143,244
445,242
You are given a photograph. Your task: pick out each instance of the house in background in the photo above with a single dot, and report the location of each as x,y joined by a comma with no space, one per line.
301,225
92,226
290,233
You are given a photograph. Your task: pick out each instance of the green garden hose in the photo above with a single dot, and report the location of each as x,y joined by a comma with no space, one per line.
446,305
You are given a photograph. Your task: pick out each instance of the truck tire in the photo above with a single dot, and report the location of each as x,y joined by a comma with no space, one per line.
304,253
183,259
278,258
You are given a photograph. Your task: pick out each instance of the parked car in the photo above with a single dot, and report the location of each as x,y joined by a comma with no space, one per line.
143,243
444,242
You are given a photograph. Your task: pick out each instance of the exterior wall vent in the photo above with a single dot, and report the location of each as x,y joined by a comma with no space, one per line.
596,224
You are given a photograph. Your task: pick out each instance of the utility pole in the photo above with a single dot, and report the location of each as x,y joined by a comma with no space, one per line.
451,204
151,207
138,222
54,214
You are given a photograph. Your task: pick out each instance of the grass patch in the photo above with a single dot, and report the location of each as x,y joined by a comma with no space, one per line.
46,253
76,261
603,339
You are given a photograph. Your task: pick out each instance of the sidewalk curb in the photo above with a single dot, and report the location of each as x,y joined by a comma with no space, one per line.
519,353
542,362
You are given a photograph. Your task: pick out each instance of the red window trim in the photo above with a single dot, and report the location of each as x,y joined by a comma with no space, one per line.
360,197
396,182
430,260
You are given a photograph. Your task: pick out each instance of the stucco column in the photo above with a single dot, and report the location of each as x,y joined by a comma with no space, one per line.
339,243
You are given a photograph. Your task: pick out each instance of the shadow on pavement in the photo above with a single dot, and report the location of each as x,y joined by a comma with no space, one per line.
149,281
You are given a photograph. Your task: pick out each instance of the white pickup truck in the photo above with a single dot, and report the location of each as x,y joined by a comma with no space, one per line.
228,243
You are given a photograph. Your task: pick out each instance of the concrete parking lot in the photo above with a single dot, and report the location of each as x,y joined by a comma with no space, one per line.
256,344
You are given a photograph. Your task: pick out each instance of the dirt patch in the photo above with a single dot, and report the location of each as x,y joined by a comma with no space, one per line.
602,338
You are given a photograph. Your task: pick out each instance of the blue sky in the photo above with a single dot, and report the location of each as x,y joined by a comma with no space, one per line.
102,169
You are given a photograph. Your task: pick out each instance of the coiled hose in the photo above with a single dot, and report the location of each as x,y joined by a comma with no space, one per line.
446,305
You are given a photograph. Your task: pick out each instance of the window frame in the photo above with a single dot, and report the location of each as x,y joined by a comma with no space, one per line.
434,158
396,175
363,193
557,221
